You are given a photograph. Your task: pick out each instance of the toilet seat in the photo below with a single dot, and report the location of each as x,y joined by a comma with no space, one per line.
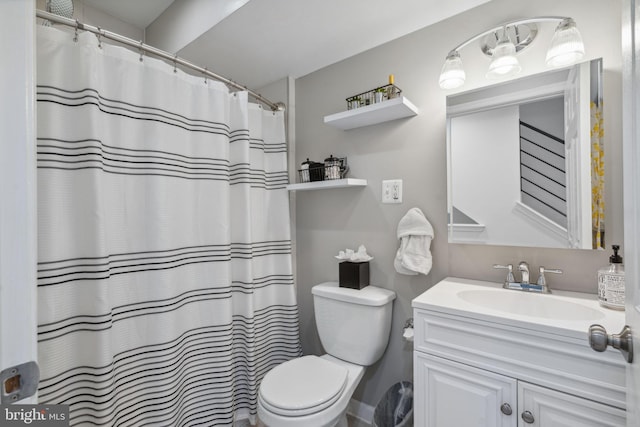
303,386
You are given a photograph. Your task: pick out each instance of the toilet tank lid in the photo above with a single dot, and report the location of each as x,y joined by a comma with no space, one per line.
369,295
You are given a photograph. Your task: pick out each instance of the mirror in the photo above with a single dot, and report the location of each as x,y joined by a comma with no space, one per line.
525,161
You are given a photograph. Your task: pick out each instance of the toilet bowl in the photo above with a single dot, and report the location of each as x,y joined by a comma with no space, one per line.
308,391
314,391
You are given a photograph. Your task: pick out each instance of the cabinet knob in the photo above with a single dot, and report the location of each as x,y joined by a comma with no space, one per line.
527,417
506,409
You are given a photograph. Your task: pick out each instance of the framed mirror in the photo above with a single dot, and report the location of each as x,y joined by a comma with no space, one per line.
525,161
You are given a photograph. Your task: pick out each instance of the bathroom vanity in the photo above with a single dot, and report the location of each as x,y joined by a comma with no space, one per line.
488,356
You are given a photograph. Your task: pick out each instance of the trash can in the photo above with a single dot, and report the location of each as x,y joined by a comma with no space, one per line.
395,409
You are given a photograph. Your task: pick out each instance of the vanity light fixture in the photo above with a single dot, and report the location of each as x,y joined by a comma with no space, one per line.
566,45
452,74
503,42
504,63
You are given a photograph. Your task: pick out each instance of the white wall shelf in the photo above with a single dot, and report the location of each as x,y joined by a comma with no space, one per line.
332,183
391,109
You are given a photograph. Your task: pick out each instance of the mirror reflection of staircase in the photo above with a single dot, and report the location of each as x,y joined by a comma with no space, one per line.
459,217
543,185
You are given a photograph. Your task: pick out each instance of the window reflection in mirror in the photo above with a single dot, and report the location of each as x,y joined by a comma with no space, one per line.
525,163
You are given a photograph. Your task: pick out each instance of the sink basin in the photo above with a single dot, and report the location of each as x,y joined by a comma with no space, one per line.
530,304
563,313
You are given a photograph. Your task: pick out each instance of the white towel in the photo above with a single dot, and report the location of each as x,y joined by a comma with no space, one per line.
415,234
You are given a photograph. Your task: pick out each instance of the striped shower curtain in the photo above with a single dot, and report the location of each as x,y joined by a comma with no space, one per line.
165,284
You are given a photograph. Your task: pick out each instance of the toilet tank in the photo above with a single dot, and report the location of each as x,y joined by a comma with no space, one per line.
353,324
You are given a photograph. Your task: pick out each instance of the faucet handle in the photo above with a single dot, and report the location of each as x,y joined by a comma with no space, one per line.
542,281
523,267
510,276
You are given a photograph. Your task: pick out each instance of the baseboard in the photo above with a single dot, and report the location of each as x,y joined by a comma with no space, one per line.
360,410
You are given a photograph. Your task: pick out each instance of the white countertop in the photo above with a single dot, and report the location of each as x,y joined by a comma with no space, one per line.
519,308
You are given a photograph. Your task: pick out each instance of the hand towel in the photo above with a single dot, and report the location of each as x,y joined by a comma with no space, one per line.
415,234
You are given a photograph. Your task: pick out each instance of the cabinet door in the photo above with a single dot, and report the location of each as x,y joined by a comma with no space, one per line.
450,394
550,408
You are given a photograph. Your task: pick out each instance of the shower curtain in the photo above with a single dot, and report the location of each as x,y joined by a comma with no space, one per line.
165,284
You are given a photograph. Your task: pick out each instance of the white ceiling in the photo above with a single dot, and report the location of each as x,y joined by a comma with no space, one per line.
139,13
267,40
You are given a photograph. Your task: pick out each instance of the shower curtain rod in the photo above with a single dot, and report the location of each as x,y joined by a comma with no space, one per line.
139,45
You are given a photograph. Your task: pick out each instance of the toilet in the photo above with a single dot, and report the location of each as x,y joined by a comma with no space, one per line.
314,391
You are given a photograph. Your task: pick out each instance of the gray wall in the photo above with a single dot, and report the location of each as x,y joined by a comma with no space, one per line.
414,150
547,115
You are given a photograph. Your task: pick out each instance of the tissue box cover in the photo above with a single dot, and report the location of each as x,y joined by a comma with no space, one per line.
354,275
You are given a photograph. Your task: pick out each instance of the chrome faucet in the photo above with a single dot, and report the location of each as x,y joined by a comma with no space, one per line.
524,285
523,267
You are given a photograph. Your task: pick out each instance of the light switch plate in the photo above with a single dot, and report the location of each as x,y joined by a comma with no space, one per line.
392,191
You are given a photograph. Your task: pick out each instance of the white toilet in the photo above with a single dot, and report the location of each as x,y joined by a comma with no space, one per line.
314,391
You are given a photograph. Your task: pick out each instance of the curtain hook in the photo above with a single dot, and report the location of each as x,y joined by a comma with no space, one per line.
205,75
99,38
75,37
141,51
175,63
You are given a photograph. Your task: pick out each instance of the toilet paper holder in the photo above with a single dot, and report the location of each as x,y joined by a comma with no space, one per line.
407,331
408,323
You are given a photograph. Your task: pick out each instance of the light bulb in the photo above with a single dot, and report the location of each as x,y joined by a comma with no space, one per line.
452,74
566,45
504,63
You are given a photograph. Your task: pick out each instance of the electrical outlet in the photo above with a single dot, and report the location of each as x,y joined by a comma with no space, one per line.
392,191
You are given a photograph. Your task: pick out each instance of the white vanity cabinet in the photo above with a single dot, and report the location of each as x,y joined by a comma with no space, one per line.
556,409
452,394
475,367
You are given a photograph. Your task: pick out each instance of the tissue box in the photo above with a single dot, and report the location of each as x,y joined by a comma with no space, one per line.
354,275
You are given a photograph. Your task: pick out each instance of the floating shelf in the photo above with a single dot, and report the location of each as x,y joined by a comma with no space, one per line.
332,183
391,109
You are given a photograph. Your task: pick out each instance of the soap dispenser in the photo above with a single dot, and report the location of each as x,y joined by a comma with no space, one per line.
611,282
